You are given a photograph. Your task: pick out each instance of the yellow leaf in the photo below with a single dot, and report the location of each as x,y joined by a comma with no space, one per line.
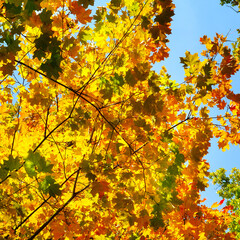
189,225
202,236
215,205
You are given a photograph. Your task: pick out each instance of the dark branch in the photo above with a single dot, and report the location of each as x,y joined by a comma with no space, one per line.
56,213
45,201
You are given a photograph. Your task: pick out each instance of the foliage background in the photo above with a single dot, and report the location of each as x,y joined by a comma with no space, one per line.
137,171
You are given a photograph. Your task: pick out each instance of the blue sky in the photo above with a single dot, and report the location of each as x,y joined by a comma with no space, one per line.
194,19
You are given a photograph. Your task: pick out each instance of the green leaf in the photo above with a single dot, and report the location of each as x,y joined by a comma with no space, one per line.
42,42
134,7
111,18
167,136
45,16
134,237
74,126
90,176
85,166
3,172
157,222
17,29
13,46
116,3
36,163
189,89
117,80
30,168
86,3
12,10
179,158
112,86
54,48
169,181
32,5
43,166
48,43
12,163
39,53
15,2
107,88
49,186
100,13
173,169
84,35
51,68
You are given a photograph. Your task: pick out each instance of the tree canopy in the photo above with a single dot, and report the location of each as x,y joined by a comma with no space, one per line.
95,144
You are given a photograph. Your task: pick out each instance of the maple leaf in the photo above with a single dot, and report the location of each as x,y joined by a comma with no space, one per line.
80,12
7,69
165,16
189,60
123,202
12,9
35,163
45,16
157,221
48,185
86,3
145,22
100,188
12,163
32,5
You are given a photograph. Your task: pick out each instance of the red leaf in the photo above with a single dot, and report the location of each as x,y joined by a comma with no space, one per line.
221,202
232,107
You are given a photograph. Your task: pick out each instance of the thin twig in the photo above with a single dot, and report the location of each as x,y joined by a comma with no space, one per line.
236,11
15,132
46,123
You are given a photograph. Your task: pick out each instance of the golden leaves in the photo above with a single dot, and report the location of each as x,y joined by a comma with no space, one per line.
124,144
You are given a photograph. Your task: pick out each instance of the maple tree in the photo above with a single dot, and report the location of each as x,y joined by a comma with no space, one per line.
95,143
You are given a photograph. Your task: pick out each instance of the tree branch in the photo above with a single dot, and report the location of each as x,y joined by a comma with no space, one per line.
57,212
35,210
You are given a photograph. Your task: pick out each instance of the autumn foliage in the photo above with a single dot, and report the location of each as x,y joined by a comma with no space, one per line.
94,143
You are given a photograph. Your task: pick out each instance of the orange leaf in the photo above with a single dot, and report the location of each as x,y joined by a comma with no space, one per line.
80,12
100,188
